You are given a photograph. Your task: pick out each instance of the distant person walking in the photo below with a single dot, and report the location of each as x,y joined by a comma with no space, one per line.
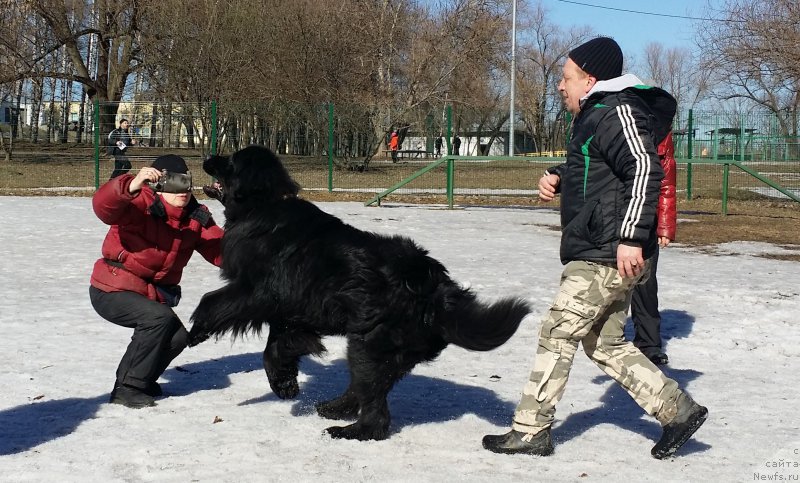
437,144
456,145
118,142
394,145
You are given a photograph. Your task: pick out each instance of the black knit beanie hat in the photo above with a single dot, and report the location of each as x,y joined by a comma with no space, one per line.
172,163
601,58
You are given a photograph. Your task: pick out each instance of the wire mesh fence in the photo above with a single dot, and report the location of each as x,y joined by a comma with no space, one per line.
764,142
343,148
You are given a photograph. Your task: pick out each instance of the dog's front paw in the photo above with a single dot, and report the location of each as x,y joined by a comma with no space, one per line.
198,339
196,336
285,388
355,431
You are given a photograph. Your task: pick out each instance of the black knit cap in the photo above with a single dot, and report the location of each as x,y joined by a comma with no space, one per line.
172,163
601,58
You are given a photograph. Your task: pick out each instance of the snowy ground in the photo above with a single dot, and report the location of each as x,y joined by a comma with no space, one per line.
731,320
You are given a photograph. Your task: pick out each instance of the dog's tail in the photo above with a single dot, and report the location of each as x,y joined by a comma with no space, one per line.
469,323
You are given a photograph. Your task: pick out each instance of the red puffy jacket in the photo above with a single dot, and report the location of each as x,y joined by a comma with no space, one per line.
667,214
149,242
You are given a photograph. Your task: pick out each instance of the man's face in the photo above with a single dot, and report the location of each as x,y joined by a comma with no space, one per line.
123,125
574,84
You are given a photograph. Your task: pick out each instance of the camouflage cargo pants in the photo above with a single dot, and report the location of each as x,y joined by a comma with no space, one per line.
591,307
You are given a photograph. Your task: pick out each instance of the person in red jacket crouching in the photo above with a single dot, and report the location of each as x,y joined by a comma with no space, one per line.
135,283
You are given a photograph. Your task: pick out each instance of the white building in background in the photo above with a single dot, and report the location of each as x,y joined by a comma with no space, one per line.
470,144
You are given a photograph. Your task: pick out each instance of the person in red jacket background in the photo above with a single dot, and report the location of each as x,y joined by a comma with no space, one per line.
644,299
394,145
136,281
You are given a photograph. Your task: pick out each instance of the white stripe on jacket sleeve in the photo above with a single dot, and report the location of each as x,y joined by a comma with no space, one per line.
634,212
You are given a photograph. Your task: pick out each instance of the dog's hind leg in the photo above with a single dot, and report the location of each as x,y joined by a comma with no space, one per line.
371,380
282,355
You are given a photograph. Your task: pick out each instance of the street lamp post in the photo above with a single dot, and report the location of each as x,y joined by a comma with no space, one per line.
513,76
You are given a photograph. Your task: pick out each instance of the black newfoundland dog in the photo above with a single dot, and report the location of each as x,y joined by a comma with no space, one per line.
307,274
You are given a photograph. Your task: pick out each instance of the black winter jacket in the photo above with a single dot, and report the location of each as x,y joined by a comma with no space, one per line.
610,182
114,137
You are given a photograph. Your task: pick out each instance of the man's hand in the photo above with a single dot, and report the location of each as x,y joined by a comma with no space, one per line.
663,241
629,260
547,186
146,174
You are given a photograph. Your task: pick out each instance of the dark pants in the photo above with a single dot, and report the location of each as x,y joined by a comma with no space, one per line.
645,315
121,166
158,334
394,155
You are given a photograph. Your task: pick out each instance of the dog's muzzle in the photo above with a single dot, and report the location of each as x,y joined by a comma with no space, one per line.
215,192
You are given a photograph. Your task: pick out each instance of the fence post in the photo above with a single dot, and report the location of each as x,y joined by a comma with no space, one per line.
725,172
330,147
568,128
741,137
96,144
449,139
450,179
690,148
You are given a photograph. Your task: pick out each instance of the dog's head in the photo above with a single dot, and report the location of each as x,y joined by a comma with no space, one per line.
251,175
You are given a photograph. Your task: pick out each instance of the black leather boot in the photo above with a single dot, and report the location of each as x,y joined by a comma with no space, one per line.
131,397
515,442
153,390
689,418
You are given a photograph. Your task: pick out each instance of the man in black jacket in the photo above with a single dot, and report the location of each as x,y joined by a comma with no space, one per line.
609,188
118,142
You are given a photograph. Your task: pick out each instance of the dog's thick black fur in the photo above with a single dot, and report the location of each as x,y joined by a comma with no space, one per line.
308,274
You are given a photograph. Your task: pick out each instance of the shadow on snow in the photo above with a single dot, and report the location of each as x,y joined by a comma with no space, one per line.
415,400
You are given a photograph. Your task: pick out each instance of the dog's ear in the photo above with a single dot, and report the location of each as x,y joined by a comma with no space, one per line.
213,164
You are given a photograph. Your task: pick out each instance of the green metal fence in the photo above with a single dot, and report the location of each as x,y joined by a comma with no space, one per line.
720,156
760,147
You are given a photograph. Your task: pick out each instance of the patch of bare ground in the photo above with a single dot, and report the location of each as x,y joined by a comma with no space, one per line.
700,221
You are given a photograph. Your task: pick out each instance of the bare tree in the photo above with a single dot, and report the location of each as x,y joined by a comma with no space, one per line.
542,53
753,54
675,71
68,27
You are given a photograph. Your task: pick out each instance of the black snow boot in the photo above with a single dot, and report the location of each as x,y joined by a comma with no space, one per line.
131,397
689,418
153,389
516,442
